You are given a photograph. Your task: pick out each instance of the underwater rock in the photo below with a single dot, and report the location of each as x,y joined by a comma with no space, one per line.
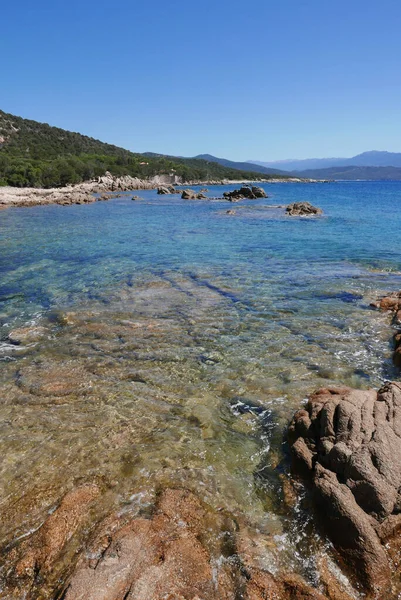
346,444
392,303
181,549
27,335
302,209
38,555
49,380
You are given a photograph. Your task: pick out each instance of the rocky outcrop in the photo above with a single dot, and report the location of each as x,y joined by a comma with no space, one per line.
302,209
192,195
347,444
245,192
103,188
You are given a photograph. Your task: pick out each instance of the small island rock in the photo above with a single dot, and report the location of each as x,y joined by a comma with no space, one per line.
302,209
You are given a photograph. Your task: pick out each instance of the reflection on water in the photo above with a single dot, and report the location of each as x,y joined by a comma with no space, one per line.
174,345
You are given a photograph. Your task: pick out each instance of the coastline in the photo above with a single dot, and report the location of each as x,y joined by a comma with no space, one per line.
108,187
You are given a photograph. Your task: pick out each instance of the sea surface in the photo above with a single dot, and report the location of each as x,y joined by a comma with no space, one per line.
177,341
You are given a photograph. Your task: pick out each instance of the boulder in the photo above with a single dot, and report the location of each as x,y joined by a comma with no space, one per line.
391,302
347,445
192,195
258,192
163,190
167,189
302,209
250,193
188,195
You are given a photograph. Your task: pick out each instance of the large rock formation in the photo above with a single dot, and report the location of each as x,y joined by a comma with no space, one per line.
347,444
302,209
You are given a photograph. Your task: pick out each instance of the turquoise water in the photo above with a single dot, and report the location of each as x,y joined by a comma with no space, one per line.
179,340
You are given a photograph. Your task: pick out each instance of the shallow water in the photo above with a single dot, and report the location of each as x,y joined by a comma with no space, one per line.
178,342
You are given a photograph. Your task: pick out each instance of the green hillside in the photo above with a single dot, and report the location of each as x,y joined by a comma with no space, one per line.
37,155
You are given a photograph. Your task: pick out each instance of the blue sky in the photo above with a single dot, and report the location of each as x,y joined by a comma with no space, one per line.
245,80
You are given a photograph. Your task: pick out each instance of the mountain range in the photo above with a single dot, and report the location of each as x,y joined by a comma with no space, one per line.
373,158
377,167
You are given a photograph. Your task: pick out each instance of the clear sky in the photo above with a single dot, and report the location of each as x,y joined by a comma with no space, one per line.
260,79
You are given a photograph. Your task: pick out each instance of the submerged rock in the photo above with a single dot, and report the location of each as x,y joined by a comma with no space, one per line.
392,303
346,443
37,557
184,550
27,335
302,209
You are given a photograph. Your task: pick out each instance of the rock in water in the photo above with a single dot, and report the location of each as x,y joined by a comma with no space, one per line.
258,192
250,193
174,553
392,303
188,195
167,189
163,190
302,209
192,195
347,444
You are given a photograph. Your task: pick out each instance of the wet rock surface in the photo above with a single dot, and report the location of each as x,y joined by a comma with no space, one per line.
178,548
347,444
49,551
302,209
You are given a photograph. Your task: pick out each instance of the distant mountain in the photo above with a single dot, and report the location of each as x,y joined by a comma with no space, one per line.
353,172
242,166
373,158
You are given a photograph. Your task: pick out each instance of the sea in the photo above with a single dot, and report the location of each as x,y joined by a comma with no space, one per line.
174,341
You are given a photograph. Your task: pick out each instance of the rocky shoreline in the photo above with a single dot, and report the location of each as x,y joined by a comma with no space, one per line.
104,188
175,544
345,446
